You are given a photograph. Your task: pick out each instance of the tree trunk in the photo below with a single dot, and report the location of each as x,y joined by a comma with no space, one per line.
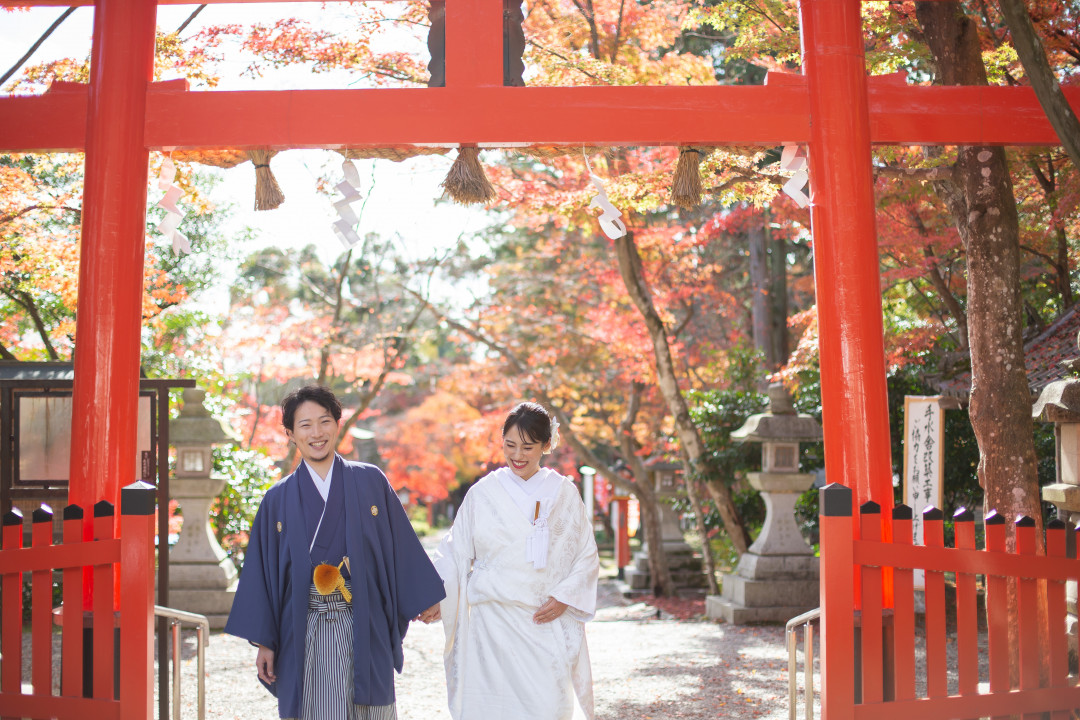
981,200
760,317
777,293
699,522
692,444
659,569
659,573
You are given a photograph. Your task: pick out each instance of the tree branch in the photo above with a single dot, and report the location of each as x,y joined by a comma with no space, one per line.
1033,57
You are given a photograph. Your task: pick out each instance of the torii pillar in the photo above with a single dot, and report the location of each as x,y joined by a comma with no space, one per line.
854,399
109,316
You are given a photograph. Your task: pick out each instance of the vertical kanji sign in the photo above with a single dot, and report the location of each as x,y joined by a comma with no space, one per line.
923,461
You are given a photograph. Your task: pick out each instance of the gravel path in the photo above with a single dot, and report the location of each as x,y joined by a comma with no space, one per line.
644,667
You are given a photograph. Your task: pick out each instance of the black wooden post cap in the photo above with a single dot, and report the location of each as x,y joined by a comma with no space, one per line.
994,518
103,508
1025,522
902,512
13,517
73,512
42,514
138,498
963,515
870,508
835,500
932,513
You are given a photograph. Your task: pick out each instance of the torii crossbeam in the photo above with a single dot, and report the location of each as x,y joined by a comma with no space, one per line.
833,108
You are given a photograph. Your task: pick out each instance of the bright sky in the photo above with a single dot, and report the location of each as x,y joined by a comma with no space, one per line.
402,198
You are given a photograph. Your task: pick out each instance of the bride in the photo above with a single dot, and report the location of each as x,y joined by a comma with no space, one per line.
520,569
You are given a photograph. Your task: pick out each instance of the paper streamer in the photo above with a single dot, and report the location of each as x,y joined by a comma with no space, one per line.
610,223
345,226
793,158
173,215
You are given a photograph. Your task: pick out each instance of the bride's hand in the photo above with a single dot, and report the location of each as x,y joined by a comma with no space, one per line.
549,611
430,615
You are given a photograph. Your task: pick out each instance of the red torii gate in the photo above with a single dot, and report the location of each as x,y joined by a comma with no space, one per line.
833,108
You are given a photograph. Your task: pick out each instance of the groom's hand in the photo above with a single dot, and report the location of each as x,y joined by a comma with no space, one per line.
264,662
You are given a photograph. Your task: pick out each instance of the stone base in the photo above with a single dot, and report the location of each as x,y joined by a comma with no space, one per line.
780,567
202,575
685,569
637,579
771,593
214,604
767,588
717,608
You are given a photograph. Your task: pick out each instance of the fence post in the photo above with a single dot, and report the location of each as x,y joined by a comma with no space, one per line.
904,610
102,678
71,672
41,606
11,622
937,684
1056,541
967,629
1027,609
837,602
136,600
997,606
869,577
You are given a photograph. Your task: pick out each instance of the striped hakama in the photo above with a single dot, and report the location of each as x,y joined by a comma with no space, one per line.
328,664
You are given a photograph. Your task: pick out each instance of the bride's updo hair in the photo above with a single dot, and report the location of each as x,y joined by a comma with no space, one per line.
535,423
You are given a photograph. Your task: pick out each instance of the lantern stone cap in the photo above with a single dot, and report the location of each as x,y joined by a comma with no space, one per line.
658,463
780,423
1058,402
195,425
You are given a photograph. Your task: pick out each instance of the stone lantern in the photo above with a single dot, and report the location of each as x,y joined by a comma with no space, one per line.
1059,403
683,565
777,578
202,578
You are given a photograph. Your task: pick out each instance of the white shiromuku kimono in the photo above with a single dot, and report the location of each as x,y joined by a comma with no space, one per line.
499,662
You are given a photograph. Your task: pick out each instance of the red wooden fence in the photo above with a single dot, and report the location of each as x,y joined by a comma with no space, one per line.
132,556
882,685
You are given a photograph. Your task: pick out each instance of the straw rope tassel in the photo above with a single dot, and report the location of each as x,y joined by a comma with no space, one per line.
686,186
268,193
466,182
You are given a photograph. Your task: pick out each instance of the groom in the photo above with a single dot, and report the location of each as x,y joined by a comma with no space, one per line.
339,514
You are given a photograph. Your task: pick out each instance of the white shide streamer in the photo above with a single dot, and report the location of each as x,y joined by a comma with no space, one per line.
345,226
173,215
610,223
793,158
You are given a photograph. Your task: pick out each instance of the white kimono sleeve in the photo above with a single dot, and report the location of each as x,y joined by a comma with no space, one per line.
578,588
453,560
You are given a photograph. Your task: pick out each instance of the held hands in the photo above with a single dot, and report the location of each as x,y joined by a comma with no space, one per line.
432,614
264,663
549,611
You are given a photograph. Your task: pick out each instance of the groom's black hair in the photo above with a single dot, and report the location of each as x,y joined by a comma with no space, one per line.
315,393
